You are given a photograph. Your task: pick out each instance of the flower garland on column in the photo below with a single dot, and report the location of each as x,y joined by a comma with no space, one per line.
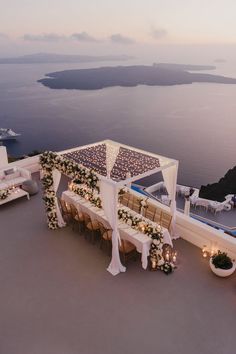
86,193
50,161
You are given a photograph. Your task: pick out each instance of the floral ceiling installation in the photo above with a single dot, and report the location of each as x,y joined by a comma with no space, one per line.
125,160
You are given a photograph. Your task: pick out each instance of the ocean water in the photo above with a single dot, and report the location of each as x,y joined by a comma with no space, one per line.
195,124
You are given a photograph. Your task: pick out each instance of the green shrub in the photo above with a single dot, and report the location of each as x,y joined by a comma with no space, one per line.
222,260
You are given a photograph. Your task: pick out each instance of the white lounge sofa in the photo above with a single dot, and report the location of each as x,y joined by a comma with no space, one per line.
13,176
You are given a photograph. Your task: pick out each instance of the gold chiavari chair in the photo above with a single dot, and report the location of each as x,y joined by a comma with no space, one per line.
165,220
131,201
127,250
125,199
150,212
106,235
77,217
91,225
136,205
65,210
157,216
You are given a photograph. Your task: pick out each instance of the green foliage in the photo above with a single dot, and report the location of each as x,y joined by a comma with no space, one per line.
49,161
222,260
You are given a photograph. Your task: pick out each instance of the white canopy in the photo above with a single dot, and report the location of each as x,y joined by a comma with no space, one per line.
117,165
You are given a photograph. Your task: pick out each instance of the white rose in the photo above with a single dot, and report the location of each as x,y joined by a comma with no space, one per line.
129,222
161,262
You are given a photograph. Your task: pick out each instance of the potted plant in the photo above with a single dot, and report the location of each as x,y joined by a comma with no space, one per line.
221,264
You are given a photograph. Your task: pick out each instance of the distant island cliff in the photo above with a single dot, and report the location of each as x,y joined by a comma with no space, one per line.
188,67
46,58
127,76
218,191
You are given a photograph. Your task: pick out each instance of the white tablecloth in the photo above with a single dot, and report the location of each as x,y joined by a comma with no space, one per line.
141,241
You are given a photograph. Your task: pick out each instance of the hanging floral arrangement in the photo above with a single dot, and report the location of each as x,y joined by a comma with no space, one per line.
50,161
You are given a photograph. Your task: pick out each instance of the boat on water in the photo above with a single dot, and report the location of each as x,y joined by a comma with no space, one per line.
8,134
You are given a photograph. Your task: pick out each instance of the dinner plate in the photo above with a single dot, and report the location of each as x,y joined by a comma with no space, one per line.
123,226
131,232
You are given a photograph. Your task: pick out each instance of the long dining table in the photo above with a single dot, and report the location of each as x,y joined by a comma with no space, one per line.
141,241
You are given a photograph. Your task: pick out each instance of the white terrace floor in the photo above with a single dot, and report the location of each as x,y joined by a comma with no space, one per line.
57,298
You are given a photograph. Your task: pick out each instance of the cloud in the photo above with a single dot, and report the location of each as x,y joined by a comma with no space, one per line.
120,39
84,37
3,36
46,37
158,33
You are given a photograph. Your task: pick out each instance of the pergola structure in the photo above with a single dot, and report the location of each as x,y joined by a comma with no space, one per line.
115,165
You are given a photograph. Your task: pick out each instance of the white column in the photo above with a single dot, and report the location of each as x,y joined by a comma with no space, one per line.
170,179
187,206
3,157
56,181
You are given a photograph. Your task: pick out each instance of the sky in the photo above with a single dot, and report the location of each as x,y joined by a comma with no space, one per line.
119,26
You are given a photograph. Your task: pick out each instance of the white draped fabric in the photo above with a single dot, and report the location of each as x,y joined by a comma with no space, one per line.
109,197
170,179
112,152
56,180
128,175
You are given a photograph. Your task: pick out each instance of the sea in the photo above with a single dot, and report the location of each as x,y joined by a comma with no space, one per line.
195,124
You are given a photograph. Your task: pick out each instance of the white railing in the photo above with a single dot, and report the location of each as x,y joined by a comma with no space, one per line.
199,233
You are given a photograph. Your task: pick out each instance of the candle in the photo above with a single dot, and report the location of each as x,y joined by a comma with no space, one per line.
142,227
174,258
204,251
167,256
154,263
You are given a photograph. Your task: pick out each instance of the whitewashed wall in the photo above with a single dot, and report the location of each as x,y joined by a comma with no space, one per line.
30,163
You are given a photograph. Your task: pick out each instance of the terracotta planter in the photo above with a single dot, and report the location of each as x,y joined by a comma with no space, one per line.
222,272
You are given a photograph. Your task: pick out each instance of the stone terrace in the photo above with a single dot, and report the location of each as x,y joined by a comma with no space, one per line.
57,297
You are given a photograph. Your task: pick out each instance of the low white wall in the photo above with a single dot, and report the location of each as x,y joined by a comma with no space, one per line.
30,163
3,156
155,187
201,234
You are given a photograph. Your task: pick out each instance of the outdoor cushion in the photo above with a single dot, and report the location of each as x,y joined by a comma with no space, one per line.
16,181
10,171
